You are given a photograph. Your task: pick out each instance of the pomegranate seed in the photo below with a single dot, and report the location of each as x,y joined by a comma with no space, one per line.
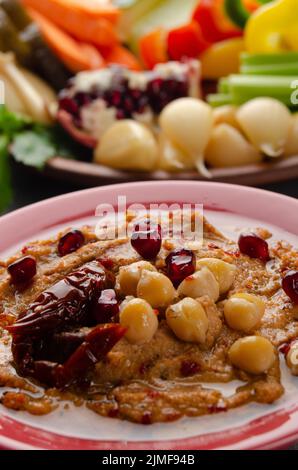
82,99
23,270
189,368
105,309
107,263
116,99
120,114
290,285
126,101
70,242
161,92
69,105
136,94
254,246
180,264
146,239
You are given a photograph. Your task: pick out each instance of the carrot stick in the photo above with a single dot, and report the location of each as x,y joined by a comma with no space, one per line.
92,8
96,27
122,56
153,48
75,55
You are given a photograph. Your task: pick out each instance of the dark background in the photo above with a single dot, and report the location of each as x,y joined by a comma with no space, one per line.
30,188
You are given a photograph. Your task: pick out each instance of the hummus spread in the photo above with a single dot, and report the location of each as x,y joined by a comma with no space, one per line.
165,378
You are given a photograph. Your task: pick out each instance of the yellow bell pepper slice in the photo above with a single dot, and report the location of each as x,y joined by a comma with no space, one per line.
222,58
273,28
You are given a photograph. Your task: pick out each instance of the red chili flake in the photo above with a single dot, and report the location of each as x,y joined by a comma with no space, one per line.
213,245
146,418
113,412
217,409
189,368
285,348
144,368
235,254
172,416
153,394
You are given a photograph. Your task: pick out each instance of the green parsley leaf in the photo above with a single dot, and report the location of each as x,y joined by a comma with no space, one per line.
11,123
32,148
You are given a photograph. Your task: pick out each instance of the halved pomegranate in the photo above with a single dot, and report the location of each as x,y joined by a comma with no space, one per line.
115,93
66,121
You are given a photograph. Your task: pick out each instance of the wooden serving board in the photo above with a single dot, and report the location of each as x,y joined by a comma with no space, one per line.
90,174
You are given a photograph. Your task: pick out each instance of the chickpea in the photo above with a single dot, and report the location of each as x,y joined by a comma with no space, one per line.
140,319
253,354
188,320
292,358
224,273
156,289
202,282
129,276
244,312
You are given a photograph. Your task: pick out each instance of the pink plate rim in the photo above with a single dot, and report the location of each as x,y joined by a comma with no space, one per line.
273,430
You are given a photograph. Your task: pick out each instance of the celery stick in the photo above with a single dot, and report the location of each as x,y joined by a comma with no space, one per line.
269,59
243,88
270,69
270,64
223,85
219,99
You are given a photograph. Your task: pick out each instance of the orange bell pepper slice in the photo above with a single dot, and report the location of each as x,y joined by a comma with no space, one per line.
153,48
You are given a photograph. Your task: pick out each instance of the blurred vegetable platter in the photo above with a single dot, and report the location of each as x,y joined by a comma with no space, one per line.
118,88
